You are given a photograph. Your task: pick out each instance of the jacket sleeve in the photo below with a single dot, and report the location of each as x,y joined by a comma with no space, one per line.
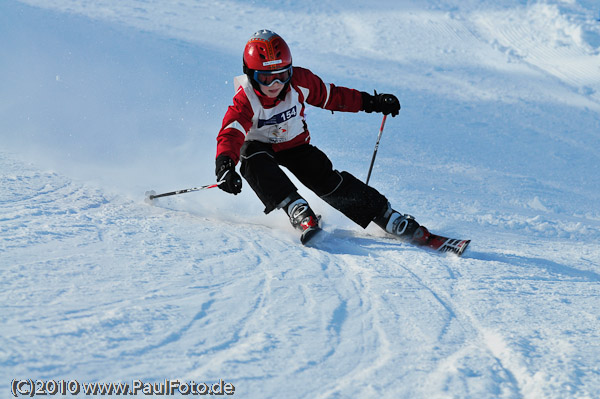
326,95
236,124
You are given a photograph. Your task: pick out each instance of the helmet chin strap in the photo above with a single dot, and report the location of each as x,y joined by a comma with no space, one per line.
283,91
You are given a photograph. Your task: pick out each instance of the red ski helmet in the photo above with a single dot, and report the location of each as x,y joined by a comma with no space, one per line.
266,51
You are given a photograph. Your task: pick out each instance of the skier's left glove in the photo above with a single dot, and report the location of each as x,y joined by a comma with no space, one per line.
384,103
229,180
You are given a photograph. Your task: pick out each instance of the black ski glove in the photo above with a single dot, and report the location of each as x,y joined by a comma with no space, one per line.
384,103
229,180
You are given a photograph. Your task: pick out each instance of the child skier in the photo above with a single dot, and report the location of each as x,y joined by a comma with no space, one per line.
265,129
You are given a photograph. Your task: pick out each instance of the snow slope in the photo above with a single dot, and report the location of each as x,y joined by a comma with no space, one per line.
498,140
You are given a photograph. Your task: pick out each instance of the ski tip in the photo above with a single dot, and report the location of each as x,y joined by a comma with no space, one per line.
453,246
461,247
149,197
464,247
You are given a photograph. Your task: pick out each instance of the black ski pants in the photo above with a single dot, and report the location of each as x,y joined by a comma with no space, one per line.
261,168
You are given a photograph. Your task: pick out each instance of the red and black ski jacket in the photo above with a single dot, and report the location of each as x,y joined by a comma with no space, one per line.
281,122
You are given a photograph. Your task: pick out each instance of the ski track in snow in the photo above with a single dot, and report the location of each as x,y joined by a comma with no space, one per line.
349,312
96,285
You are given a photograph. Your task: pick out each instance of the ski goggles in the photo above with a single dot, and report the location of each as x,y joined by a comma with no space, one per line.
268,78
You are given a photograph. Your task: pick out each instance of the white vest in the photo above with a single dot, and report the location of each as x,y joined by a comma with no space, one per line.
274,125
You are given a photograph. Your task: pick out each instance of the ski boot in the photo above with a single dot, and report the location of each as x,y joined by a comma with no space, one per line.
403,226
303,218
406,227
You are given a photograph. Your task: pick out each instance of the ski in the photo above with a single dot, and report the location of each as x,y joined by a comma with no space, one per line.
315,237
445,244
423,237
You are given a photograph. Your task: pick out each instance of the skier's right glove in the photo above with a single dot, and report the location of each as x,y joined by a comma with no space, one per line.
384,103
229,180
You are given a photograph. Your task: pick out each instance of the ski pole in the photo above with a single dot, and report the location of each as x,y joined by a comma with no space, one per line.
376,148
150,195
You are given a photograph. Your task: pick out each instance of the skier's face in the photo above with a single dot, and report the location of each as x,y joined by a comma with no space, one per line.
273,90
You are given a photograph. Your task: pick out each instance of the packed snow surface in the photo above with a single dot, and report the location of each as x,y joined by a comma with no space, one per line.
498,140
